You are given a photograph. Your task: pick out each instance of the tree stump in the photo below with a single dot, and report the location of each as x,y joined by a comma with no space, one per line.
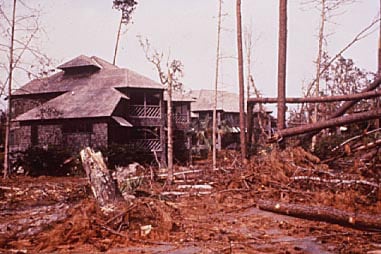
99,177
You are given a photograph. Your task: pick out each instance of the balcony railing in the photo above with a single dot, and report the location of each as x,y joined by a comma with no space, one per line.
142,111
181,118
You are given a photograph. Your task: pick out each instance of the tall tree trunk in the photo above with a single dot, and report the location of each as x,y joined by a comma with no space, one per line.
249,119
318,65
117,40
9,111
379,65
214,140
170,130
282,54
241,85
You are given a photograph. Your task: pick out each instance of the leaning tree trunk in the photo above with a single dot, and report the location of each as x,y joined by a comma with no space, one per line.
99,177
314,127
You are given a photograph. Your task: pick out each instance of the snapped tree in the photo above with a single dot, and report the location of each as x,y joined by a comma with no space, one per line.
126,7
171,79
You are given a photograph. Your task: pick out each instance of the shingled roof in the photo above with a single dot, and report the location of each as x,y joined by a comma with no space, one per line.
226,101
80,61
84,95
107,76
82,103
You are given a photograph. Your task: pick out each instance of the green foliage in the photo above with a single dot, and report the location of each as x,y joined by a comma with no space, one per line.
53,161
126,7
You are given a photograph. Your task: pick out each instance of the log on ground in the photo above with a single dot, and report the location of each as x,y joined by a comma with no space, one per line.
322,213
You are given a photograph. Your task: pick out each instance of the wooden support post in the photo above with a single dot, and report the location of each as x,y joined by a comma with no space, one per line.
249,123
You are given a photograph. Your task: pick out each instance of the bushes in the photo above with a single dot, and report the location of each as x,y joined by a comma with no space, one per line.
58,161
53,161
122,155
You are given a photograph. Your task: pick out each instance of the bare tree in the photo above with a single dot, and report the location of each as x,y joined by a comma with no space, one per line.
282,59
19,36
8,123
214,151
241,83
171,79
126,7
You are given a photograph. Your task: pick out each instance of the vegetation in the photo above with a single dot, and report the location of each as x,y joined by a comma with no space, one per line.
53,161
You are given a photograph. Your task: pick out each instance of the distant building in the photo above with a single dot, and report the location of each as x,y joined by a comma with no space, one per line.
227,119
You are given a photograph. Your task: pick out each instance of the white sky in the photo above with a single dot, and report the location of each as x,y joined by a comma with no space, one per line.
187,29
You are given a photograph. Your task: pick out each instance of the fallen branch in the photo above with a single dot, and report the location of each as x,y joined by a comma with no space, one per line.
355,137
369,145
321,213
335,181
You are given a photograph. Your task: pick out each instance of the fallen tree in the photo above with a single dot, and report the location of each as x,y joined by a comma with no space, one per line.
314,127
320,99
321,213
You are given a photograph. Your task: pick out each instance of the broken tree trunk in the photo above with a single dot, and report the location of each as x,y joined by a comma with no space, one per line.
327,214
307,128
100,179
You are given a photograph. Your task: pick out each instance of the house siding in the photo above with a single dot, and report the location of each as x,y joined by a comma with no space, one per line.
20,138
49,135
99,135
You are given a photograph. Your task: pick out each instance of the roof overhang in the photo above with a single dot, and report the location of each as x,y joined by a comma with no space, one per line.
121,121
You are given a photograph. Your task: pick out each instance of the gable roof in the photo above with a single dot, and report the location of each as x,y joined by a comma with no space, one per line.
108,76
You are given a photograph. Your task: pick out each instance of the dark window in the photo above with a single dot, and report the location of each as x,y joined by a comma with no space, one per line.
34,135
152,98
77,127
136,98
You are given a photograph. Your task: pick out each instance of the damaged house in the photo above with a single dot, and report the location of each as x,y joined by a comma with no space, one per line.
91,102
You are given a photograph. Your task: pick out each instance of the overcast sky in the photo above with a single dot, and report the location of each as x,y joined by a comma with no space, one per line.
188,30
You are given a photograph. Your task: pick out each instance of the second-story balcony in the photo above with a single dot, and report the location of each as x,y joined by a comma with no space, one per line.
144,115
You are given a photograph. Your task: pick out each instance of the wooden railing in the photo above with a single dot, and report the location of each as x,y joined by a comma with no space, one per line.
145,145
148,111
181,118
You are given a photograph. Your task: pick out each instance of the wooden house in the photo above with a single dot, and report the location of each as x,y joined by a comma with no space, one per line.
90,102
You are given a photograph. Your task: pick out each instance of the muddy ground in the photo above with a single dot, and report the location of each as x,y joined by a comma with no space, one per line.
205,211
